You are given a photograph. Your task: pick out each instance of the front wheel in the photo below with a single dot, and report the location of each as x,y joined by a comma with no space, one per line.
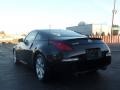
41,68
15,60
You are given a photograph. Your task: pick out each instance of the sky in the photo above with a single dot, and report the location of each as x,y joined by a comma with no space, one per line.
18,16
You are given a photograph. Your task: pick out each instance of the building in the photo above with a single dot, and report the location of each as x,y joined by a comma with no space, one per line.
116,30
88,29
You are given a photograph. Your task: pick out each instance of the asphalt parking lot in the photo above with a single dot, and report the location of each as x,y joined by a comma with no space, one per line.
22,78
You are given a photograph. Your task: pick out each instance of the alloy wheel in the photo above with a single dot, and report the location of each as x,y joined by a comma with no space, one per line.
40,68
14,57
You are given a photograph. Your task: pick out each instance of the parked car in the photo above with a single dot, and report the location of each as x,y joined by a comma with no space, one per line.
48,51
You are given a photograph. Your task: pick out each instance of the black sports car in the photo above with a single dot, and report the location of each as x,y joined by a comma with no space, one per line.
61,50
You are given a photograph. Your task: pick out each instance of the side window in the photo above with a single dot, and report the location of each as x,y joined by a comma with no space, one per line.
38,37
30,37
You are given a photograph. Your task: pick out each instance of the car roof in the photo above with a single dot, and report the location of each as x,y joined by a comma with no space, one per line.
48,30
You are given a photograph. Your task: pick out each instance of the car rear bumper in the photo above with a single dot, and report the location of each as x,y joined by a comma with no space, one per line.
81,65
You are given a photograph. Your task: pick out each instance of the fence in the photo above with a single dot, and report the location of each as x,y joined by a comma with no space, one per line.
108,39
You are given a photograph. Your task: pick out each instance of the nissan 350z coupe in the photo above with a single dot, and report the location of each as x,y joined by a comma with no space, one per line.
48,51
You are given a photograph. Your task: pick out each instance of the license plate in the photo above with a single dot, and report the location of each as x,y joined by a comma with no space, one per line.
94,53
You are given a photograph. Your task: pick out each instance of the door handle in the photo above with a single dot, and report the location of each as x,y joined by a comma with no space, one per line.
35,48
31,45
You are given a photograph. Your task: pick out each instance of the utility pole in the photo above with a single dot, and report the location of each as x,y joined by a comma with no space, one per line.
49,26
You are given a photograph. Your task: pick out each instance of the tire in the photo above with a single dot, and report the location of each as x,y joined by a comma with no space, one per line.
15,60
104,68
94,71
41,68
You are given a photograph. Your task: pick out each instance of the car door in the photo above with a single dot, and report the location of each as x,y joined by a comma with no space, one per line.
38,42
26,46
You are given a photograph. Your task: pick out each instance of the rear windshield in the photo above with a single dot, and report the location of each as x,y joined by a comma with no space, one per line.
65,33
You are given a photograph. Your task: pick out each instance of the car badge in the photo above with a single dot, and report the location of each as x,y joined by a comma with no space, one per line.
89,40
75,43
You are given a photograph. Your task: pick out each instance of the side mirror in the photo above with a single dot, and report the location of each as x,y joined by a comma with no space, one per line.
26,42
20,40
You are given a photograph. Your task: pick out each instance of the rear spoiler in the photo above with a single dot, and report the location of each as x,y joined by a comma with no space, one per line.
95,38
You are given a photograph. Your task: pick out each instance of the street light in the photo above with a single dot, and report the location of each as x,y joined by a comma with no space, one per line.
113,14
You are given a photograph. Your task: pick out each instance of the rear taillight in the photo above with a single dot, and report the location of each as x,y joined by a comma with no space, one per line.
61,45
